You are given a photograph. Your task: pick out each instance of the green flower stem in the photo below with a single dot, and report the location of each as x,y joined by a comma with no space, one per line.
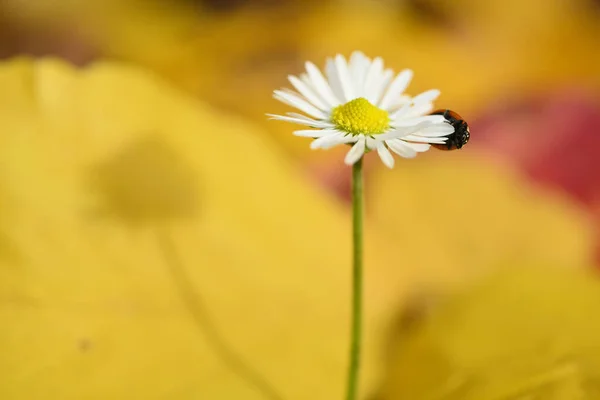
357,265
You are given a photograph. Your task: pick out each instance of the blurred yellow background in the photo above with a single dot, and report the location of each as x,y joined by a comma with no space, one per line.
159,238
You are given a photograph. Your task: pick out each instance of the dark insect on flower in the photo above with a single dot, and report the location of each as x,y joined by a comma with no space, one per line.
461,134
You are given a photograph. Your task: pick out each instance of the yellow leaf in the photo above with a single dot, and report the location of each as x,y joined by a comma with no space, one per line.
154,248
468,214
524,333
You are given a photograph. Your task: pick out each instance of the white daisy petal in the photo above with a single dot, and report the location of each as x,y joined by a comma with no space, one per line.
427,96
320,85
300,116
418,120
424,139
358,61
412,110
308,82
397,87
400,101
314,133
385,155
296,115
299,103
343,74
418,147
374,75
358,65
321,124
308,93
372,142
290,91
334,80
401,131
329,141
292,115
436,130
325,140
301,121
401,148
356,152
420,109
382,85
443,127
394,134
357,56
344,139
401,112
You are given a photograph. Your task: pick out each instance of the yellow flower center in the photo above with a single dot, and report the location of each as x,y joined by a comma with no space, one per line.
358,116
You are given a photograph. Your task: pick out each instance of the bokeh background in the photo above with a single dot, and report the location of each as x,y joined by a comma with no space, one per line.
160,239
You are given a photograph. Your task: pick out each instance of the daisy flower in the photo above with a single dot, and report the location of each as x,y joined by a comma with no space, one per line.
360,102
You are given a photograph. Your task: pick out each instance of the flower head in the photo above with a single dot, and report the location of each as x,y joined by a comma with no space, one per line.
359,102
